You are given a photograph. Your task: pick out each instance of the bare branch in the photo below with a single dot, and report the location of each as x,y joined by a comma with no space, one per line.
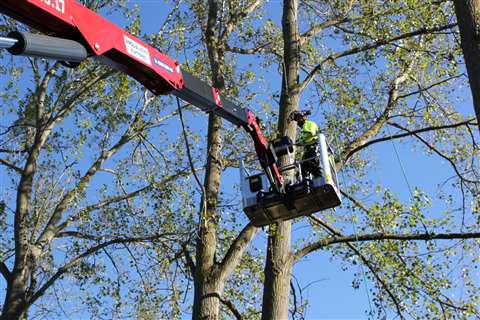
373,45
435,150
80,235
407,134
10,165
229,304
315,29
5,272
355,202
74,261
118,198
258,49
382,237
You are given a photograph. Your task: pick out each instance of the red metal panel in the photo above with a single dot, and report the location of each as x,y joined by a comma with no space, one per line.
111,44
158,72
41,15
216,97
57,9
264,153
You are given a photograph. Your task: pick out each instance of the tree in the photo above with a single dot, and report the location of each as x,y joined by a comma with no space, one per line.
468,13
413,57
278,266
209,275
81,201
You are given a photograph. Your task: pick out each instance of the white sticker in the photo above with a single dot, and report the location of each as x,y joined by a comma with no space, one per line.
162,64
137,50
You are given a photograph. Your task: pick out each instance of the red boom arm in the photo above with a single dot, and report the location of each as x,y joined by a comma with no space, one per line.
159,73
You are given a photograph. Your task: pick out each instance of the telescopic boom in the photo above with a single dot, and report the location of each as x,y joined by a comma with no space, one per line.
75,33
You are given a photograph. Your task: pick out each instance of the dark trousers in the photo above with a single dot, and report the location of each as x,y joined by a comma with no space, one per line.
311,166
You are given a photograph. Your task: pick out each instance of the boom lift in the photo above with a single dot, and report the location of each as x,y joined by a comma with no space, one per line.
75,33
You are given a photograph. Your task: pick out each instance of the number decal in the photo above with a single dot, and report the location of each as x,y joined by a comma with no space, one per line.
58,5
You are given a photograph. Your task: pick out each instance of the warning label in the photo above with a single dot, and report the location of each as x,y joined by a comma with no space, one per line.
137,50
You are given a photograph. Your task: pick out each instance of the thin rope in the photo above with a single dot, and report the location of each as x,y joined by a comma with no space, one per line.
362,270
190,161
402,168
397,155
405,177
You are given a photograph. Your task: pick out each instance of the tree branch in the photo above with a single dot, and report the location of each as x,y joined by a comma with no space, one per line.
378,124
320,27
229,304
80,235
432,148
420,90
74,261
189,260
382,237
373,45
12,151
5,272
236,249
366,261
407,134
258,49
68,105
51,227
236,18
42,93
115,199
10,165
294,296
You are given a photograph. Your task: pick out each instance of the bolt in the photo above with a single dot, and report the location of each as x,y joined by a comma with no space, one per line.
97,46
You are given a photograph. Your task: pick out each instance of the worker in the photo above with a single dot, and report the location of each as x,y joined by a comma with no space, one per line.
309,141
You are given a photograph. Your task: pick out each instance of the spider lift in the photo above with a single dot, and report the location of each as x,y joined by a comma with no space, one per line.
73,33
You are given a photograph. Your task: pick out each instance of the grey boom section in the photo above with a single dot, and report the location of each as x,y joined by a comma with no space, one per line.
200,94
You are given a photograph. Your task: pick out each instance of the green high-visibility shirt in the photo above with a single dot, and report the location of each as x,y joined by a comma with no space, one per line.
309,133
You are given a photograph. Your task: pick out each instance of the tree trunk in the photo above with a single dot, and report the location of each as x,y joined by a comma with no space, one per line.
208,291
15,304
208,287
468,17
278,265
15,300
206,302
276,290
